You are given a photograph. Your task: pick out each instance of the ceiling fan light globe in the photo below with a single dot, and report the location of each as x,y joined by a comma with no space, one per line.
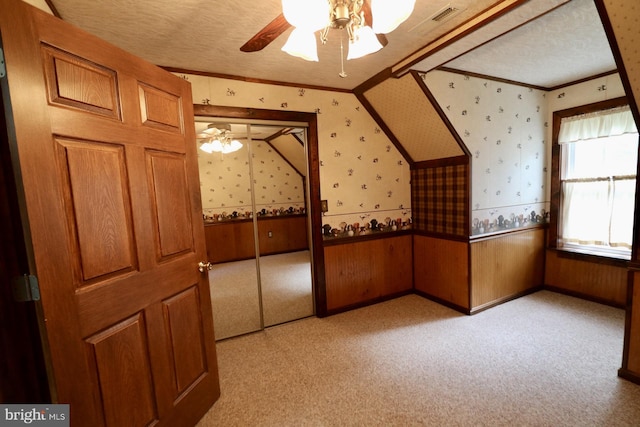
302,43
206,147
312,15
217,146
235,145
231,147
388,15
364,43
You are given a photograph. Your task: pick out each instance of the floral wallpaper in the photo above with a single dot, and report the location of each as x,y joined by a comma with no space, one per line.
225,182
588,92
363,176
504,128
507,128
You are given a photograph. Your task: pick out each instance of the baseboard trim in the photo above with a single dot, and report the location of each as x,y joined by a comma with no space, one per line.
583,296
629,375
491,304
474,310
440,301
366,303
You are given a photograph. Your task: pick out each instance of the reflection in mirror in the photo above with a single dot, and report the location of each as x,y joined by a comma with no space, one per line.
225,184
258,191
279,168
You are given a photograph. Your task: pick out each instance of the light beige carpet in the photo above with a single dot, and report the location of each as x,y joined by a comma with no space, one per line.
286,292
286,287
542,360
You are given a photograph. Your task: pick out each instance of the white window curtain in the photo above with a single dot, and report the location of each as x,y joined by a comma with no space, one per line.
599,157
616,121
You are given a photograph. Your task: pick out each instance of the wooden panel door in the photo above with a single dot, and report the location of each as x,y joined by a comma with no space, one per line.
106,152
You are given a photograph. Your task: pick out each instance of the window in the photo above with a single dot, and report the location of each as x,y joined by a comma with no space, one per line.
597,179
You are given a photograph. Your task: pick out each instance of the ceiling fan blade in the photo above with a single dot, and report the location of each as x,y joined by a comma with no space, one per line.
268,34
382,39
368,19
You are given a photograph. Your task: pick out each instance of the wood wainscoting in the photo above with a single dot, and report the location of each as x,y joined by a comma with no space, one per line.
470,276
230,241
364,271
506,266
233,240
441,270
605,283
281,234
631,355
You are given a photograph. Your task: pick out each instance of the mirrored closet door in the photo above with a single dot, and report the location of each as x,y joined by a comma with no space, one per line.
254,197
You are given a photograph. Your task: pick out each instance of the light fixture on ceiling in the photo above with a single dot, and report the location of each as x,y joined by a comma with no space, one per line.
309,16
217,138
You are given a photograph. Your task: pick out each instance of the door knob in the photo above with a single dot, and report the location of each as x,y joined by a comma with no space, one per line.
204,266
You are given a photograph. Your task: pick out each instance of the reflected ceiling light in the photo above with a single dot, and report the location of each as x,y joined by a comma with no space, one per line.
309,16
217,138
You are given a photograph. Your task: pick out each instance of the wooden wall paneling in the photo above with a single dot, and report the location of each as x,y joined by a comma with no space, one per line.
365,271
631,360
596,281
441,270
347,274
619,19
230,241
289,233
396,264
234,240
506,266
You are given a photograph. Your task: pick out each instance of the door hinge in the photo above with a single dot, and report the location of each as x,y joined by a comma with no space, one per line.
25,288
3,69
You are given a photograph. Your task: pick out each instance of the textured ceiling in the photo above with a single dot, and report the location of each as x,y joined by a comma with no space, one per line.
205,35
566,44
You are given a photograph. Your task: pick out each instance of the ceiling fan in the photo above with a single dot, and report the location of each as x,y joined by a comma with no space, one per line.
218,138
341,14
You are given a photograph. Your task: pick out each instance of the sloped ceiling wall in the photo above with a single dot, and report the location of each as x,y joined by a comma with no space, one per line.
292,150
624,16
413,120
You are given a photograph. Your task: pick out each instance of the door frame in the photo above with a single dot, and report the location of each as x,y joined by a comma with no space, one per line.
313,160
23,374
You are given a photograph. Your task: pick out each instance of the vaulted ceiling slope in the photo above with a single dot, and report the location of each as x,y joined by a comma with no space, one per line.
425,136
206,36
564,45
